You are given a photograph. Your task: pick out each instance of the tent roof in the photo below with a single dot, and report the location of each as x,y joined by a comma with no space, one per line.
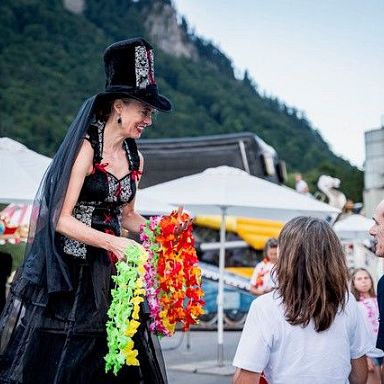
21,171
353,226
241,194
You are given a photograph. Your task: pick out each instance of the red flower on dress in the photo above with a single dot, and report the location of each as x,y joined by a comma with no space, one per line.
136,174
99,167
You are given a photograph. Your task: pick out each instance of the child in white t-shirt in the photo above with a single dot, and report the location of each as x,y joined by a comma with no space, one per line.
309,330
262,280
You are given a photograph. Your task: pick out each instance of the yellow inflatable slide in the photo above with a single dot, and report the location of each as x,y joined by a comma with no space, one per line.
254,232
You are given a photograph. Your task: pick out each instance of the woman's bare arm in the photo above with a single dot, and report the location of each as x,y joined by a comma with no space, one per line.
75,229
132,220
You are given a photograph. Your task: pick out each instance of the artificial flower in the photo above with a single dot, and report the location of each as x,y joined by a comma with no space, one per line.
173,278
124,310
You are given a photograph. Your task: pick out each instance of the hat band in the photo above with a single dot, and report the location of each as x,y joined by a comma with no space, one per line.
150,90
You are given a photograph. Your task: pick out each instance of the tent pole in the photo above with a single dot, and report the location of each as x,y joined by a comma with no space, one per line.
220,293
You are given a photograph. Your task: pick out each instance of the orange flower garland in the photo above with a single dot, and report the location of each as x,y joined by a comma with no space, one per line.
176,290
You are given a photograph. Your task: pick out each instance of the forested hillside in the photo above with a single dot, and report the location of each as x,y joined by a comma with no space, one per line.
51,60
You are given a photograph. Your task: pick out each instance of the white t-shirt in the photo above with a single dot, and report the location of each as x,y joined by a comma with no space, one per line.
370,311
292,354
301,186
261,276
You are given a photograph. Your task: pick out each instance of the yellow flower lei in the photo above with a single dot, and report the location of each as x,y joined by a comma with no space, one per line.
124,310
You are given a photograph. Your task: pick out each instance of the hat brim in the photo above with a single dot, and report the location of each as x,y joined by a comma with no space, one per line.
157,101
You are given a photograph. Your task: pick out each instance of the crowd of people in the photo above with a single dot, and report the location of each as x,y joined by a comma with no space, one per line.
319,323
308,329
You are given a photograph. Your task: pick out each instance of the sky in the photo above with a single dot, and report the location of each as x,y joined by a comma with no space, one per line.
324,58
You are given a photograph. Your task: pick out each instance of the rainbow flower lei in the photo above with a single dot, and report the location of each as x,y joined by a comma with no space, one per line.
172,278
164,269
124,310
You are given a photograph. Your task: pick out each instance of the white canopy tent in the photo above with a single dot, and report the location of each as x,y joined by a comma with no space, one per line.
353,232
238,191
225,190
21,171
353,227
148,206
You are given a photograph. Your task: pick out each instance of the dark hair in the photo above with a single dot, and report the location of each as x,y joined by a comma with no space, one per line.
271,243
311,272
354,291
104,108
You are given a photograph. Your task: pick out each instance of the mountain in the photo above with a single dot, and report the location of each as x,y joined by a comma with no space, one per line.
51,60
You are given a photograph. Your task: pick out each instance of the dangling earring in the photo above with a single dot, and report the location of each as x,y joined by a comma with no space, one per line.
119,120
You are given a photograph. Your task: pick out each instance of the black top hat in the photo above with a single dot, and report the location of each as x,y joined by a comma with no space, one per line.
129,72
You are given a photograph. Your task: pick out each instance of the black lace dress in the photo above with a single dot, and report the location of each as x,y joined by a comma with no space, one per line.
60,338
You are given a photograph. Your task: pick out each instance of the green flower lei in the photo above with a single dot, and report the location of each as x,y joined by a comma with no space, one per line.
123,313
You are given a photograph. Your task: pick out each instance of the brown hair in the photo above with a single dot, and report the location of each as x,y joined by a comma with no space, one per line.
311,272
354,291
271,243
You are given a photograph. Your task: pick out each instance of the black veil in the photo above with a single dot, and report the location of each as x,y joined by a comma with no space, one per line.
45,268
43,265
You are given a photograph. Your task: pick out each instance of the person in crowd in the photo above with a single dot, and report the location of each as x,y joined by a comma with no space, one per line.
301,185
84,202
377,233
309,329
262,280
363,289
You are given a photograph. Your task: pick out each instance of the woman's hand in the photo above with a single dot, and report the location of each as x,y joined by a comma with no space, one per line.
119,245
183,225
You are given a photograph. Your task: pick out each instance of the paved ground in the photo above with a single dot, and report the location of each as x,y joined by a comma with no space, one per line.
192,358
